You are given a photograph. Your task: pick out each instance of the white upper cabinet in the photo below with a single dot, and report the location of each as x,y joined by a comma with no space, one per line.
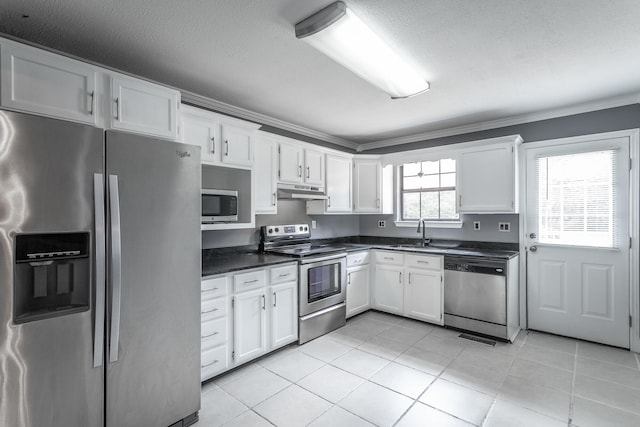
338,177
487,179
372,187
143,107
299,165
224,140
265,173
313,167
40,82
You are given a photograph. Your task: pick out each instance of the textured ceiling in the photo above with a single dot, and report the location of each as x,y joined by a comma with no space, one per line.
485,60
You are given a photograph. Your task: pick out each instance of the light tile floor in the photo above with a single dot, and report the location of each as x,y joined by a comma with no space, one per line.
384,370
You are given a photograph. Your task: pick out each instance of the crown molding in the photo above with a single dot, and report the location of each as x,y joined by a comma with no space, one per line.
508,121
263,119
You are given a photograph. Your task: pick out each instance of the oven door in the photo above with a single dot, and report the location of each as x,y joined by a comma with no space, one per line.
322,282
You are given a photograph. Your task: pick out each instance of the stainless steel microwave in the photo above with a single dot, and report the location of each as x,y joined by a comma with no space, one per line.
219,206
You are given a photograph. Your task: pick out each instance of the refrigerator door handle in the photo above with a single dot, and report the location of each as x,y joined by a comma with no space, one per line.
100,257
116,267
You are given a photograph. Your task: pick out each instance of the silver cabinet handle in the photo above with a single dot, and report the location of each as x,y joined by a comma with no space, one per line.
300,171
349,279
389,258
533,248
284,275
98,335
209,364
273,203
213,145
308,173
209,311
117,100
116,268
377,203
226,143
210,335
210,290
400,276
423,262
264,302
460,200
329,201
92,96
246,282
275,301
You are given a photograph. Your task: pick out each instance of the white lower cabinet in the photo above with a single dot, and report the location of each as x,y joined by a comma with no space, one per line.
249,325
410,285
246,314
358,277
214,330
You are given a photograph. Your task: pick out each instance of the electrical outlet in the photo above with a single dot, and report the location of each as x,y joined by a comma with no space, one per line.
504,226
382,223
476,225
313,224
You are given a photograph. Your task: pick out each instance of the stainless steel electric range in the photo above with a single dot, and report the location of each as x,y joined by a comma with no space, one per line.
322,277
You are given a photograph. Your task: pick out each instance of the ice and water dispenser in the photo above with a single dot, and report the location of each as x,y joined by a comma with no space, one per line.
52,275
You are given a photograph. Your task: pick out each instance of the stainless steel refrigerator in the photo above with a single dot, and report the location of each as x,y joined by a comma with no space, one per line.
99,277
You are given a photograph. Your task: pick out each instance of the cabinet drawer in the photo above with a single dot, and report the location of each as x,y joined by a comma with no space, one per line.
214,361
394,258
250,280
429,262
286,273
214,287
358,258
213,332
213,308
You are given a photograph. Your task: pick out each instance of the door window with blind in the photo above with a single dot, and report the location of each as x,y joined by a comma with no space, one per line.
428,190
577,200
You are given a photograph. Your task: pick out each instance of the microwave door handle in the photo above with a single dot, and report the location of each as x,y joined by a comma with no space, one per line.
100,254
116,268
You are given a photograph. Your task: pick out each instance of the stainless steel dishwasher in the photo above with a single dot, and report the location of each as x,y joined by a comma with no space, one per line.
481,295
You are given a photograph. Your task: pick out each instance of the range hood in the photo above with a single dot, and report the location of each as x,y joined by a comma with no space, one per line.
301,192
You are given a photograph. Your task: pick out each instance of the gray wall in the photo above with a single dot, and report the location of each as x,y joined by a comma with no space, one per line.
619,118
488,229
289,212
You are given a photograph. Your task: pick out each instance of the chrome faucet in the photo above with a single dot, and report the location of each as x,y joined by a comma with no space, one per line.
425,240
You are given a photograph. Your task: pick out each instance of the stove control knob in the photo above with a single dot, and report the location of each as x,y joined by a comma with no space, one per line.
301,228
277,229
306,228
269,230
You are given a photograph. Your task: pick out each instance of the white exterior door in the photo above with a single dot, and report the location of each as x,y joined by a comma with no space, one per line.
577,234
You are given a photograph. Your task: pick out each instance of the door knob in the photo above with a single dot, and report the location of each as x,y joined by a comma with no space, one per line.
532,236
533,248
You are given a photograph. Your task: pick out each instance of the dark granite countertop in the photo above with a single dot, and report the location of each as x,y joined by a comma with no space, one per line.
218,261
224,260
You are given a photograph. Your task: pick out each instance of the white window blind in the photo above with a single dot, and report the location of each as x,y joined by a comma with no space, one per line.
576,199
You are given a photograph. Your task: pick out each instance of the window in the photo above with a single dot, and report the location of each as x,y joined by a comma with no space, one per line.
576,199
428,190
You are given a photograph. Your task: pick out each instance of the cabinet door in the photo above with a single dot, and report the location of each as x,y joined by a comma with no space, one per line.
142,107
366,185
486,180
338,184
237,145
388,292
357,290
249,325
48,84
313,167
423,295
284,314
290,163
200,132
264,175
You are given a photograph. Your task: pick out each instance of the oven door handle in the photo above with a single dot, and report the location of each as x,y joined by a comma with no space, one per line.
314,259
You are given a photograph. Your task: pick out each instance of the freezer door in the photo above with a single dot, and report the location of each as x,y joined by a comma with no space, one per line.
153,365
47,374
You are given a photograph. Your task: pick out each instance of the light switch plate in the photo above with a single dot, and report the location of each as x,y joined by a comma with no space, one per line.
382,223
476,225
313,224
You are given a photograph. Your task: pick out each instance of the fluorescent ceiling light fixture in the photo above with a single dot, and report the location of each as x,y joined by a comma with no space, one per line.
343,37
